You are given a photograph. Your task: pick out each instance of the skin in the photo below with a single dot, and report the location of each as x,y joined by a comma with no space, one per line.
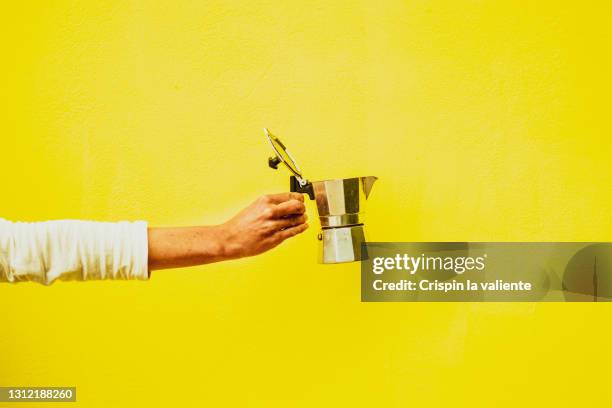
261,226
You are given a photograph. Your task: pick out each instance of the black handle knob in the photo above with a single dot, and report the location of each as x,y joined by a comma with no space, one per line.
273,162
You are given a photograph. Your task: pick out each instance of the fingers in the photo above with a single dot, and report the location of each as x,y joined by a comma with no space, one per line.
289,222
290,207
282,197
291,232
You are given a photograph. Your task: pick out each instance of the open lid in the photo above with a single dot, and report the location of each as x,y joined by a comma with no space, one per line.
283,156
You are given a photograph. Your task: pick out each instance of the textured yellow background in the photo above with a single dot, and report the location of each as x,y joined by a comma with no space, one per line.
484,121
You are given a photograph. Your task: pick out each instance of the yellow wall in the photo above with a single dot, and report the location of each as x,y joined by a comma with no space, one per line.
483,120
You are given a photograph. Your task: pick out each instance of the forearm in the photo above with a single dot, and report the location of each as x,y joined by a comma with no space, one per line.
187,246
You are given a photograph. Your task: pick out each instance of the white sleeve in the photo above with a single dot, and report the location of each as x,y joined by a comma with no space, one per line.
73,250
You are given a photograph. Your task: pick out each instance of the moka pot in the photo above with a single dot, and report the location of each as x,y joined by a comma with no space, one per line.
340,204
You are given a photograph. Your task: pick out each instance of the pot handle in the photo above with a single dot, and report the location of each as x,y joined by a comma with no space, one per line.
295,187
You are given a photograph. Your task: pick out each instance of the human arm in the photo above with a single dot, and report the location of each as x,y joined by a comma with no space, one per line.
87,250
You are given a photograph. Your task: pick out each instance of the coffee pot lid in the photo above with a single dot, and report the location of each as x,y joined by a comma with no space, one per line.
283,156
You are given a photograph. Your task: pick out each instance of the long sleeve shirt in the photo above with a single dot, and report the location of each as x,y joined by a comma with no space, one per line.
72,250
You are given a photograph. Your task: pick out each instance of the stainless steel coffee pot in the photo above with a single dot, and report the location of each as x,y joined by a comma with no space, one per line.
340,204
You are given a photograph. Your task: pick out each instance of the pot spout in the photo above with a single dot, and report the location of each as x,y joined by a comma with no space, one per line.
368,182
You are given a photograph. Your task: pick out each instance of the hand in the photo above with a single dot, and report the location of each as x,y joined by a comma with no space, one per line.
264,224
